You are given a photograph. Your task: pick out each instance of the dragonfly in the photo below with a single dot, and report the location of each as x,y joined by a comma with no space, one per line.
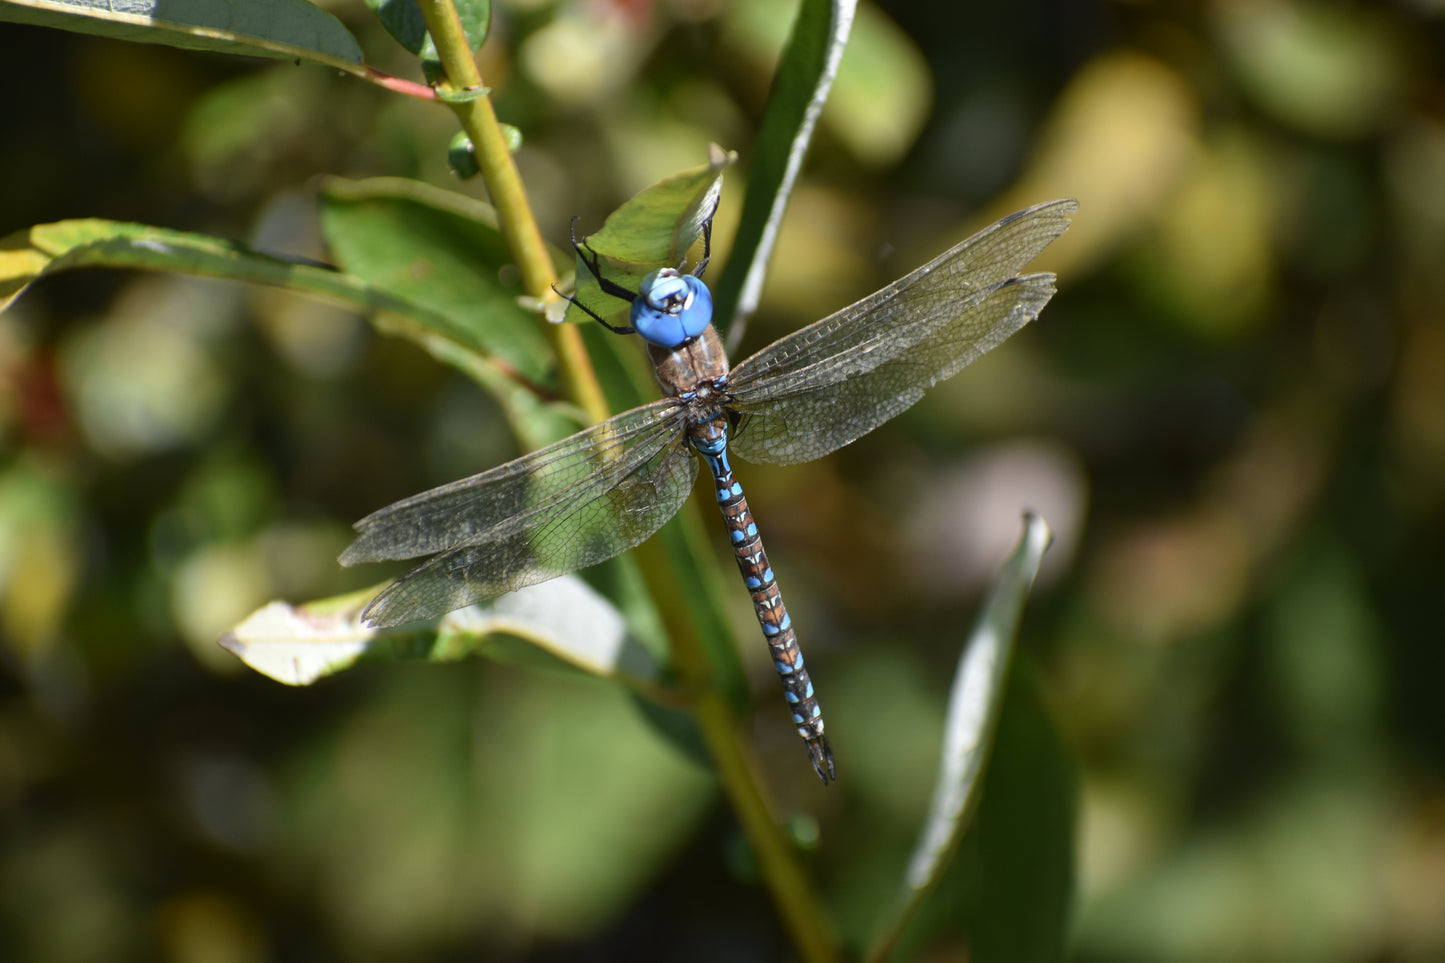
609,487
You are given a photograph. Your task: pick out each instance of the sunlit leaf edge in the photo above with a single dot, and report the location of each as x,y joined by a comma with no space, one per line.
563,618
805,75
277,29
975,702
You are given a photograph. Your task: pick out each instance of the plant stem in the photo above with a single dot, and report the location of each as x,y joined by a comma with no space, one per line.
398,84
514,213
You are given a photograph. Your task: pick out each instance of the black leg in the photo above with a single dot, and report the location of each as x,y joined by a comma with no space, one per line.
701,266
629,329
589,258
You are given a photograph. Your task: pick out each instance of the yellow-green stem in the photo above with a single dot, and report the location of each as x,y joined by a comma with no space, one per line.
514,213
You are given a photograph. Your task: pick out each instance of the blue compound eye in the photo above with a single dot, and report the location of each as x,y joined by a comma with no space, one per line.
671,308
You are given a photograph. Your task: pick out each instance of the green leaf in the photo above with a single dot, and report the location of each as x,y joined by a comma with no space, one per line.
805,75
1013,887
403,20
973,711
32,253
653,229
560,623
281,29
442,251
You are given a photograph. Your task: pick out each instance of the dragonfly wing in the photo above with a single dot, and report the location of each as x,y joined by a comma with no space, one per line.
570,505
807,392
862,391
898,316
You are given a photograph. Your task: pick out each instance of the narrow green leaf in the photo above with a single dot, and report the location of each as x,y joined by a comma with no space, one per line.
564,621
442,251
32,253
805,75
653,229
1011,888
973,712
281,29
660,223
974,704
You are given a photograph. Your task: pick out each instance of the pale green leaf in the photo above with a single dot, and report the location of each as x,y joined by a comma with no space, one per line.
297,646
563,620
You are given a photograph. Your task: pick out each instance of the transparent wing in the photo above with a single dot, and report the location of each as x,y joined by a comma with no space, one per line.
830,383
800,427
564,507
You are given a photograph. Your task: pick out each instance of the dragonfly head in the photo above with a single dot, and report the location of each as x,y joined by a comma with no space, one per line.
671,308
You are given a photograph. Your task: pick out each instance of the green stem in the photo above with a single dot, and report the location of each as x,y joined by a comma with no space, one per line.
514,213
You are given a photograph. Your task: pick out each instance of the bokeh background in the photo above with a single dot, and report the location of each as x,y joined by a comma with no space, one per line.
1233,414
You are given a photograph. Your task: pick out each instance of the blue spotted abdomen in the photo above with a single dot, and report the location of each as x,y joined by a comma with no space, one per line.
710,441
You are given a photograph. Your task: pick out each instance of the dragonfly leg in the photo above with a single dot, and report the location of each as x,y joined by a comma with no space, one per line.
701,266
589,257
625,329
593,261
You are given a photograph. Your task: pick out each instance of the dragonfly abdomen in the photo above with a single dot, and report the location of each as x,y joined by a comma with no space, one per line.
710,441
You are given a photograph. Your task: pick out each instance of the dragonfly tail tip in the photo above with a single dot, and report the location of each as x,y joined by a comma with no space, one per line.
821,755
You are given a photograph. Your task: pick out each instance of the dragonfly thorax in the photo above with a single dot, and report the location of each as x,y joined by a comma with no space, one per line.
671,308
695,370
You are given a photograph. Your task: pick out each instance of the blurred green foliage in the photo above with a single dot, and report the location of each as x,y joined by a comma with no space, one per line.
1233,415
